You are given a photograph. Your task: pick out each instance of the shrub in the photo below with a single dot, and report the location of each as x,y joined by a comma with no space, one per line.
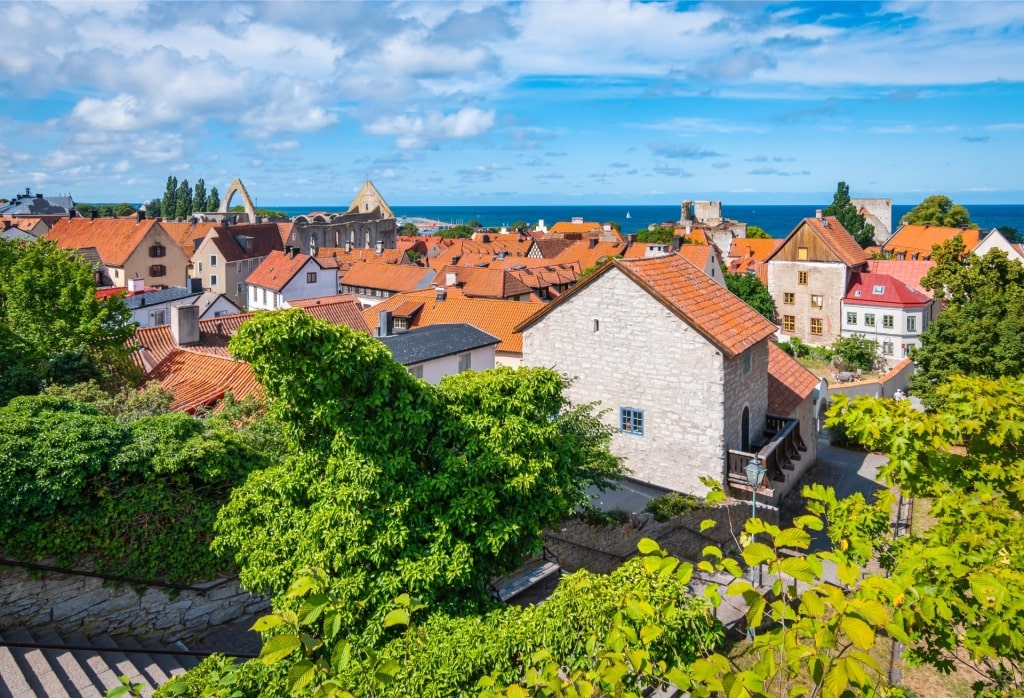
672,504
858,351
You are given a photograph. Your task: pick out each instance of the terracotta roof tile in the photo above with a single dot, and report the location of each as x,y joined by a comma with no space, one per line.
113,238
391,277
483,282
697,255
200,380
586,256
185,235
496,317
758,249
574,227
343,309
789,383
277,270
266,238
460,251
835,237
919,239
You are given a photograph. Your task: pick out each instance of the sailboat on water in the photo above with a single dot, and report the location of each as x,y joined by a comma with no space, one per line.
627,215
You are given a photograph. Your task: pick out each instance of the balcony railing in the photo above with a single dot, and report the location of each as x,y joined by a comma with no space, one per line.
782,446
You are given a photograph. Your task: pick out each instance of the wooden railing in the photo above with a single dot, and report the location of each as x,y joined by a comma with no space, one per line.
783,446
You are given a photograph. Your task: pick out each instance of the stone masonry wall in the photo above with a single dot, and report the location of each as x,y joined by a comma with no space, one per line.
748,390
582,545
825,279
64,602
639,355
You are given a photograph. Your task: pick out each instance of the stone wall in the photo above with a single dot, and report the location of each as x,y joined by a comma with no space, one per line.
64,603
824,279
582,545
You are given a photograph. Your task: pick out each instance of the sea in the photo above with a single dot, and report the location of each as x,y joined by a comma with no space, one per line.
777,221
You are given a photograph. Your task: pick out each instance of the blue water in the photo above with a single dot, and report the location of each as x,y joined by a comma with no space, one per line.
778,221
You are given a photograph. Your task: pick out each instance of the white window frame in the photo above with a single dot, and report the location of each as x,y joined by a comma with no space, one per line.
213,280
213,261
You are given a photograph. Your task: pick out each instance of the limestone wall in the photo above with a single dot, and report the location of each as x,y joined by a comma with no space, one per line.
64,602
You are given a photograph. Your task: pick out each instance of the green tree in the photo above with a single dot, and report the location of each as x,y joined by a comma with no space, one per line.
757,232
844,210
520,227
857,350
753,292
616,226
152,208
1011,234
183,200
56,324
213,200
396,486
981,330
199,196
659,234
169,202
124,209
939,210
409,229
965,573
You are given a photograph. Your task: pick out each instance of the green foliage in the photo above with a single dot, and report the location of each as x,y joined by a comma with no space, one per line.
52,326
672,504
857,351
265,212
1011,234
183,200
106,210
754,231
213,200
168,204
199,196
981,330
964,574
753,292
939,210
457,231
658,234
409,229
396,486
844,210
133,497
796,347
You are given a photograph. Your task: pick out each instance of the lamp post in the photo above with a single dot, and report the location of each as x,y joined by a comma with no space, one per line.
755,471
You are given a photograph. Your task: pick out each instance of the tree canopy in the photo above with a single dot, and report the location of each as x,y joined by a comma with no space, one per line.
753,292
659,234
53,328
939,210
396,486
757,232
981,330
854,222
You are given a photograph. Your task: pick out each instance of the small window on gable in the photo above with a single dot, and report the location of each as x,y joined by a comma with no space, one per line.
746,361
597,325
878,289
801,253
213,280
631,421
310,277
213,260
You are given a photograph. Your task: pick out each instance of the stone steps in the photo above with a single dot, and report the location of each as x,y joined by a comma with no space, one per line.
88,672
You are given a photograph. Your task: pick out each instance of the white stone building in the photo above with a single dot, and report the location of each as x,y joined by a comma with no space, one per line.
681,365
882,308
289,275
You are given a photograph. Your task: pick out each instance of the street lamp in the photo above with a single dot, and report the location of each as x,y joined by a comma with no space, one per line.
755,471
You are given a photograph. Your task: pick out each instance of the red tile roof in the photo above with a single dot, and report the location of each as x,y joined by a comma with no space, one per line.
343,309
266,239
789,383
758,249
907,271
587,256
113,238
919,239
495,317
562,227
483,282
461,251
697,255
395,278
185,235
278,269
893,292
708,307
200,380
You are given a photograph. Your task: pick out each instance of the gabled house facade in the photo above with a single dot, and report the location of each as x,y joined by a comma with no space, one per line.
882,308
286,276
128,248
808,275
995,240
229,253
436,351
681,365
915,242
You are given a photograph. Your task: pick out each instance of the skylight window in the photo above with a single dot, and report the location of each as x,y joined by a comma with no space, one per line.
878,289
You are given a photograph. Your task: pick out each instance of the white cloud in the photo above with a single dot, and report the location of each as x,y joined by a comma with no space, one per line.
418,131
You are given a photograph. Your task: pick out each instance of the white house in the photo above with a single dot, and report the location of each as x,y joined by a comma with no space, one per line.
433,352
882,308
289,275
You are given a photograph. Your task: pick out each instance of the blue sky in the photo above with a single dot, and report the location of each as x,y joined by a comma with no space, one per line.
515,103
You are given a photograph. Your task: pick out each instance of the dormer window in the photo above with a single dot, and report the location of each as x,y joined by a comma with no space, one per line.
878,290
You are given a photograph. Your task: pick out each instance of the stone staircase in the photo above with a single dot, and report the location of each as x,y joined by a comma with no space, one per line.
80,666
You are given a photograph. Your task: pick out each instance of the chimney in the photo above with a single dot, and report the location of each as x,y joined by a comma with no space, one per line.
450,279
817,213
292,251
380,248
592,242
385,324
348,247
677,242
139,216
136,285
442,293
185,324
92,215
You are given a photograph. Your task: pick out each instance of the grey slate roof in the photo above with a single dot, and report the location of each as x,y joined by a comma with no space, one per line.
434,341
163,295
37,206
